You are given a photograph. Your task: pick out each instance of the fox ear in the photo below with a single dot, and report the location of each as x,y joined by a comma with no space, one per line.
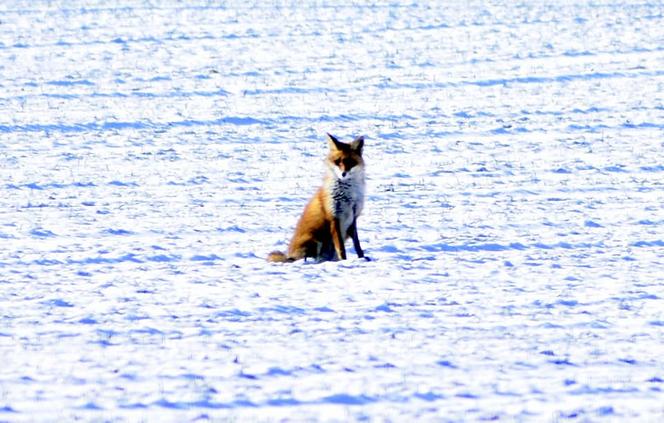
334,143
357,144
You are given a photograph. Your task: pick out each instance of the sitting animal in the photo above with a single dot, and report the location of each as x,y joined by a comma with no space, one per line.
330,217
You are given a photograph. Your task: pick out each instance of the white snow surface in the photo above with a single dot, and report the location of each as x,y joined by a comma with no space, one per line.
153,153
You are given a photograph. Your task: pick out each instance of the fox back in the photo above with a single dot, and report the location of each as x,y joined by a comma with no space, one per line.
331,215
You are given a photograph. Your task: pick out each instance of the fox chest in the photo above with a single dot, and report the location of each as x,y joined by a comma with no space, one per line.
347,202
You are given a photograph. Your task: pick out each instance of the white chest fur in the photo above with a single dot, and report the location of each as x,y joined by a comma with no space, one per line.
347,199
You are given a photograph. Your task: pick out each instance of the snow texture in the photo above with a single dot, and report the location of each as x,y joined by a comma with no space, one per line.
153,153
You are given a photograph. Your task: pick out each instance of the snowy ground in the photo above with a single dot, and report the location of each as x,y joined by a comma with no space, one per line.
152,154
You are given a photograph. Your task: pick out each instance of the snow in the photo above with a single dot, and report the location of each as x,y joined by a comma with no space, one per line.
153,153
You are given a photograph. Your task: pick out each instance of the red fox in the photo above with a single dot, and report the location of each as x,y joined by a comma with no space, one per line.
331,215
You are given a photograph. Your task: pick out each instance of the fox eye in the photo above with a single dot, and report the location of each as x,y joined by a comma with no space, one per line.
337,162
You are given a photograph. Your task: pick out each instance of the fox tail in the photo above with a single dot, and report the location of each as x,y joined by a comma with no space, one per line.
279,257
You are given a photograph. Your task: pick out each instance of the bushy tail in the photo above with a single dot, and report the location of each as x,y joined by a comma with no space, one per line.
278,257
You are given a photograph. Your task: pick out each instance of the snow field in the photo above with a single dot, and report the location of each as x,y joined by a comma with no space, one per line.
153,154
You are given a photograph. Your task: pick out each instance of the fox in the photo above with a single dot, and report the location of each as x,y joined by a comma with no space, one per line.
330,216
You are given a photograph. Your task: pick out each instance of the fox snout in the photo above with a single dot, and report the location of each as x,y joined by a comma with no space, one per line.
343,166
342,171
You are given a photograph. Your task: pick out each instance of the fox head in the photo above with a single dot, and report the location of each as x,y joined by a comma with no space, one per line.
345,160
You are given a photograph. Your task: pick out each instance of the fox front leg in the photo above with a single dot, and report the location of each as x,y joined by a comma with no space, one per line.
352,231
337,239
